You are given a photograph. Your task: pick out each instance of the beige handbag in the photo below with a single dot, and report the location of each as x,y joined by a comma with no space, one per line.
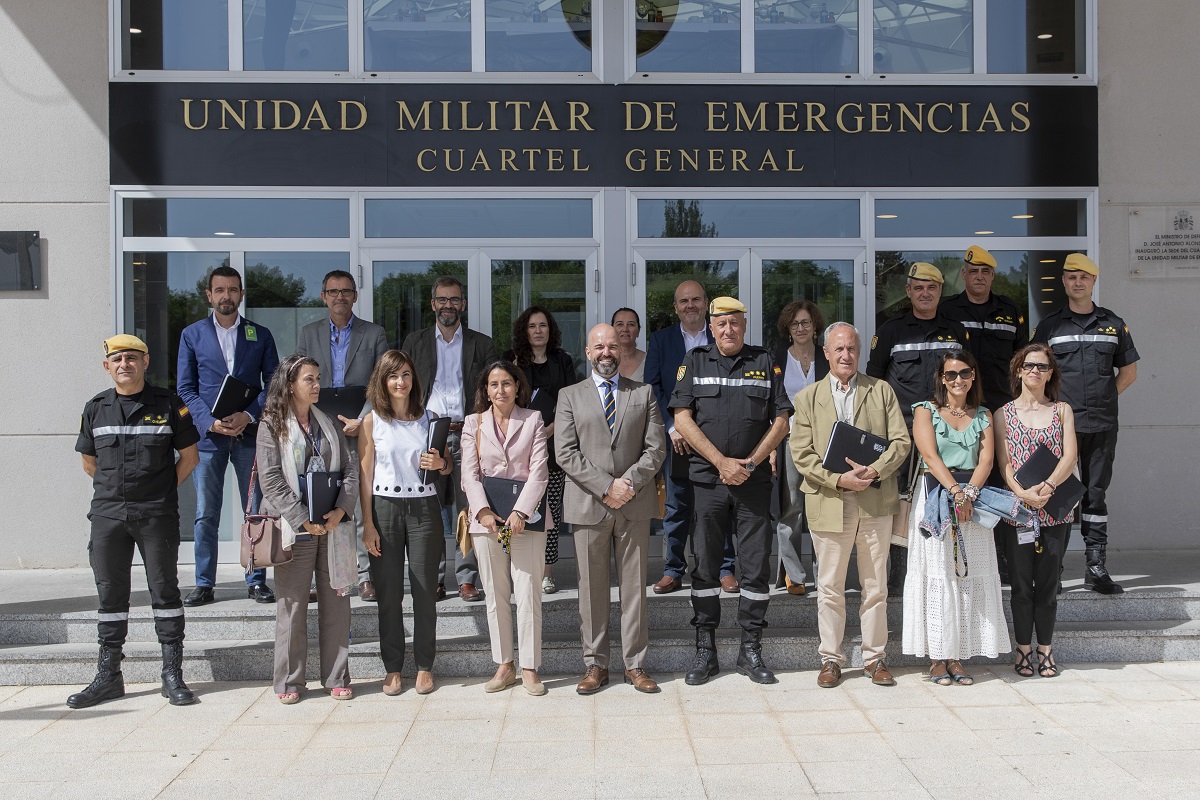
262,538
462,525
901,518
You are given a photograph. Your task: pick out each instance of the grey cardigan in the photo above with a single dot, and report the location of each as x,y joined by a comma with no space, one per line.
278,497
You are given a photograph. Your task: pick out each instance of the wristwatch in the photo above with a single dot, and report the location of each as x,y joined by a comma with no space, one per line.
749,465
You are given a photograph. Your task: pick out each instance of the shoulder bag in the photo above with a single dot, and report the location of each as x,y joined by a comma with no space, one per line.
262,538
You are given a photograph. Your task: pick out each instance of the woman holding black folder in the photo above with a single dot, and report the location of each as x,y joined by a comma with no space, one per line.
297,438
404,516
1036,418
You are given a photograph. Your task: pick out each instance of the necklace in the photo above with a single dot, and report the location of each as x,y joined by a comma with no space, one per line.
956,412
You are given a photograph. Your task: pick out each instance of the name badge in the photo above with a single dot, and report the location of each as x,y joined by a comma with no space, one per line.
1026,536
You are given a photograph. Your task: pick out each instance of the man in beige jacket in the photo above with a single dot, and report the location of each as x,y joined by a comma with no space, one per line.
852,509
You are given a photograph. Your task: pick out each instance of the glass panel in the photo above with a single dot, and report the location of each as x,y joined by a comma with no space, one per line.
1036,36
554,36
238,217
557,286
176,34
827,282
719,279
689,36
1000,217
295,35
750,219
283,292
1030,278
402,294
794,37
416,36
20,261
921,36
496,218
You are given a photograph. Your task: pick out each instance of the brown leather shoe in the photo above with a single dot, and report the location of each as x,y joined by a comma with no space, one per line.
366,592
469,593
593,679
879,674
830,675
641,680
730,585
440,594
667,585
793,588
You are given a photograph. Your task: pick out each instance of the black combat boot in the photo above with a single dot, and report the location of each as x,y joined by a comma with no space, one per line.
750,661
897,570
705,666
1096,576
173,687
109,683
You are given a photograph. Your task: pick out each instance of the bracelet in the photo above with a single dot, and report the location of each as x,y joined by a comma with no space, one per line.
971,491
1053,488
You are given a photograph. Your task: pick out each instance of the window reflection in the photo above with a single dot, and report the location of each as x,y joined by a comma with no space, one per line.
283,292
557,286
696,36
719,279
994,217
418,36
295,35
497,218
794,37
175,34
402,293
827,282
238,217
757,219
1042,37
525,36
923,37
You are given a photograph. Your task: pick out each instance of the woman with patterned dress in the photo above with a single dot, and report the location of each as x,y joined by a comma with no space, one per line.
952,612
1036,418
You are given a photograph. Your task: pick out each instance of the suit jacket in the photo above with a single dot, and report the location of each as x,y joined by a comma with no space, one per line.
592,457
875,410
820,370
201,368
477,352
522,457
664,355
368,343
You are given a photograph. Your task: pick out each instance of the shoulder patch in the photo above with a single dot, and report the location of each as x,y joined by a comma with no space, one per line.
874,341
1126,327
183,411
778,371
1021,320
679,374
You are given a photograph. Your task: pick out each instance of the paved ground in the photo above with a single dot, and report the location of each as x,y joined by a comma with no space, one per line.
1100,729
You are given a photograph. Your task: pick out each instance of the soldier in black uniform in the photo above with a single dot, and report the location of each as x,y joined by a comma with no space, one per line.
128,437
904,353
731,408
998,330
1090,342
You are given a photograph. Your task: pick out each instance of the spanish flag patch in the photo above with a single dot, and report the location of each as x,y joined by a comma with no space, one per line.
778,371
183,411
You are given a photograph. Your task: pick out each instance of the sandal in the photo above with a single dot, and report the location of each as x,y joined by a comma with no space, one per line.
342,693
289,698
960,676
938,673
1024,665
1046,666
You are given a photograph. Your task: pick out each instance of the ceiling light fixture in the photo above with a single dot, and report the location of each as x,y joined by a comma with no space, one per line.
886,216
1045,35
223,233
1022,216
135,30
984,233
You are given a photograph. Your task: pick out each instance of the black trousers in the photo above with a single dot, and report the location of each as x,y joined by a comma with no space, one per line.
1096,454
413,527
110,551
747,508
1033,577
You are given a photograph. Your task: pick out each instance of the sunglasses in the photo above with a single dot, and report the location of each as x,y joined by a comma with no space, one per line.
1030,366
964,374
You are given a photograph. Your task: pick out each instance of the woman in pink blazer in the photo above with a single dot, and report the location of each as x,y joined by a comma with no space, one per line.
505,440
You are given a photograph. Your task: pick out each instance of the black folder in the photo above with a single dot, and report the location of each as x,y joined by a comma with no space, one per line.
1039,467
234,396
439,432
502,494
321,491
847,441
346,401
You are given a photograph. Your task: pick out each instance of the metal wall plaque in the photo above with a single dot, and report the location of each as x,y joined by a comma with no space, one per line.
20,261
1164,241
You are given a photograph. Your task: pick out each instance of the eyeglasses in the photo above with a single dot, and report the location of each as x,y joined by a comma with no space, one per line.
953,375
340,292
1030,366
447,301
802,325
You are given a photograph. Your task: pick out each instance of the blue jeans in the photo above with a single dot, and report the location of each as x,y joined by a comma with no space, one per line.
209,478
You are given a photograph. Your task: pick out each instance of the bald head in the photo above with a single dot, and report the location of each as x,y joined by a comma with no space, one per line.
603,350
691,301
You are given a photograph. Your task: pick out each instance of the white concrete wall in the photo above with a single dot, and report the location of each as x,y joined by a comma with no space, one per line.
1149,118
54,179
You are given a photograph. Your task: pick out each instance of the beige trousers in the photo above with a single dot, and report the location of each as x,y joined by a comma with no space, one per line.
871,536
518,574
292,582
594,544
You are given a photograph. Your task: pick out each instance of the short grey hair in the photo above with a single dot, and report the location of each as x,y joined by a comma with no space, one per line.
833,326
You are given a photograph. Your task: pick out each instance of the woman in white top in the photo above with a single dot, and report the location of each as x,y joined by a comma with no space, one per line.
803,362
629,328
405,515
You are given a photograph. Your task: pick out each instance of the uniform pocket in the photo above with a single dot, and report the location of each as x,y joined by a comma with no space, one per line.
758,398
1105,352
153,452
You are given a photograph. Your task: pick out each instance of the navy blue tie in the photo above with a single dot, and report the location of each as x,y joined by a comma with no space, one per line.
610,406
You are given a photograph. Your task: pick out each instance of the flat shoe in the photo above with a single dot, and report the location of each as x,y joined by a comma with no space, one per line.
960,676
342,693
424,682
393,691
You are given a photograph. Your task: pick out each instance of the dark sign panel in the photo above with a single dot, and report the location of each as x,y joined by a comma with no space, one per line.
598,135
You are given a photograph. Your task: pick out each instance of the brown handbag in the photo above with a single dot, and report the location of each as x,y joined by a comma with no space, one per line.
262,538
462,525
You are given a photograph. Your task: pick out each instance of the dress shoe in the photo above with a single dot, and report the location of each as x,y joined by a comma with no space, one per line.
830,675
593,679
366,591
468,593
793,588
200,596
750,660
879,674
173,687
641,680
108,684
424,684
393,684
260,593
729,584
705,666
440,593
668,584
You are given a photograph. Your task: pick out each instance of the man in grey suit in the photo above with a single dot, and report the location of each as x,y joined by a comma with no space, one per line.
610,440
346,349
449,358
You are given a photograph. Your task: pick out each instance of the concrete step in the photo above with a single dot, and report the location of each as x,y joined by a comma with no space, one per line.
671,651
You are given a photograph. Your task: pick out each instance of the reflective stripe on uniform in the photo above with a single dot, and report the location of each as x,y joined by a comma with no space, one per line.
1094,517
714,592
990,326
731,382
1084,337
926,346
119,616
130,430
755,595
168,612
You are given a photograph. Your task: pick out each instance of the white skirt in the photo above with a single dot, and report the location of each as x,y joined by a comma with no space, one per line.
946,616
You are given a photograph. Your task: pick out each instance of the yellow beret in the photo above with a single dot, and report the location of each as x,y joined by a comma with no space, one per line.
1078,262
979,257
922,271
122,342
720,306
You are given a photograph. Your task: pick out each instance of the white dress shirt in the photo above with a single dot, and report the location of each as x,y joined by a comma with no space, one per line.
612,382
446,398
691,342
227,338
843,399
